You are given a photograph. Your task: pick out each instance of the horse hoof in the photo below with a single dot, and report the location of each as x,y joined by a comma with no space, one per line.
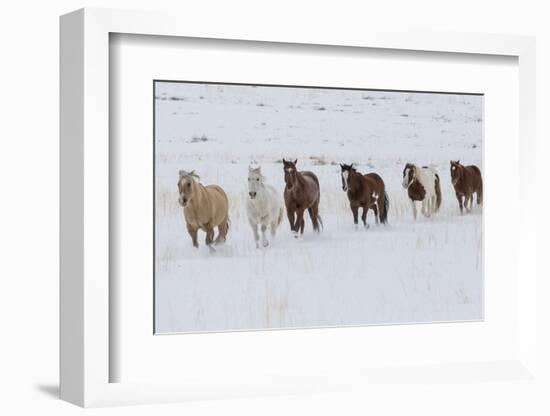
265,243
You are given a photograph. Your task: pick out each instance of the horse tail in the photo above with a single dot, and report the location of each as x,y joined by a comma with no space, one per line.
384,216
480,193
437,192
479,189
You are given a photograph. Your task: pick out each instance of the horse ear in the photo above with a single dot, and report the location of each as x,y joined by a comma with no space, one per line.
284,161
458,162
182,173
295,161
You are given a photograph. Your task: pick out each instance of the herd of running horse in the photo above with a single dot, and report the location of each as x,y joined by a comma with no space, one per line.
207,207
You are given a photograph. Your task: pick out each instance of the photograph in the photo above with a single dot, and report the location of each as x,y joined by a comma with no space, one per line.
293,207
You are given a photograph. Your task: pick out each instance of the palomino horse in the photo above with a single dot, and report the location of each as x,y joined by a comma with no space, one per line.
466,180
366,192
302,192
204,207
264,206
422,184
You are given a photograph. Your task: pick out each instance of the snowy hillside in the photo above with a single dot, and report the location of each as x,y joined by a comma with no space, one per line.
423,271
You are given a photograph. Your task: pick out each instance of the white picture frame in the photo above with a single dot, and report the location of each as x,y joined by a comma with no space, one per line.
85,266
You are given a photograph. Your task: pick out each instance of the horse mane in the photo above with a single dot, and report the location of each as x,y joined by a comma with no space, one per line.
357,178
192,174
459,170
411,166
256,168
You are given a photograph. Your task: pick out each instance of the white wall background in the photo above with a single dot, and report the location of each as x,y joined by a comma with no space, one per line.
29,199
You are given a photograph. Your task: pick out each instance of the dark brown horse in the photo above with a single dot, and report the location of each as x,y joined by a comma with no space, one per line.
466,180
367,192
302,192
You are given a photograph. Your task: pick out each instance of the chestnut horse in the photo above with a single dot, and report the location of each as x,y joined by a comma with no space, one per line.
302,192
204,207
466,180
366,192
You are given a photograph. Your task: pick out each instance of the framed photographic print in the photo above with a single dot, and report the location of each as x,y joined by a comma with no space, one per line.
281,215
251,240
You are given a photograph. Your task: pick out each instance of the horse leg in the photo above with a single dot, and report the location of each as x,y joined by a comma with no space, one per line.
459,198
193,233
256,234
209,236
300,221
273,228
429,207
426,207
265,243
413,206
291,218
468,201
376,210
364,215
355,211
313,212
222,232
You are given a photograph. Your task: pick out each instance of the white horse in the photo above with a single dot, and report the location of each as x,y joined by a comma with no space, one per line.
264,206
422,184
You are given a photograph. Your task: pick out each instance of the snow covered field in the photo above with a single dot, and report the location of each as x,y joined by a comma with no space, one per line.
423,271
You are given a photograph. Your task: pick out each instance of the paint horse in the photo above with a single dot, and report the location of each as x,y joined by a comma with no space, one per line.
264,206
204,208
466,181
367,192
422,184
302,191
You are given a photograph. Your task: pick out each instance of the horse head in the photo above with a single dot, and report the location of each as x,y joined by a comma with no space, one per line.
409,175
255,180
186,186
456,171
290,172
346,173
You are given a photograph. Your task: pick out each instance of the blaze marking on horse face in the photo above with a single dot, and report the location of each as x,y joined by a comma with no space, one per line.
345,175
453,175
406,181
